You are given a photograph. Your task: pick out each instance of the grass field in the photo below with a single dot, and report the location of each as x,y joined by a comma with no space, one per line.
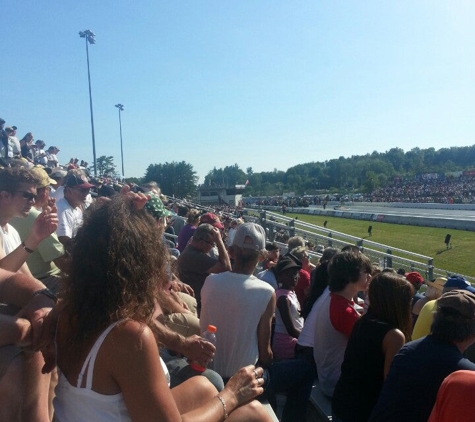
422,240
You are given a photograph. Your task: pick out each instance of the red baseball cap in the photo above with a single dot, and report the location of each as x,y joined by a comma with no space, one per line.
212,219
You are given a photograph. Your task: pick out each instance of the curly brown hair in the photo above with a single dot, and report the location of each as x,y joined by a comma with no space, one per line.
118,266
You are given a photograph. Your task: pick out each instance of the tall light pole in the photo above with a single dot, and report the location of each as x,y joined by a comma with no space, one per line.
121,108
90,38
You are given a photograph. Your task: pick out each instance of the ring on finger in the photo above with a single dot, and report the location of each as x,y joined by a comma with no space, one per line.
255,373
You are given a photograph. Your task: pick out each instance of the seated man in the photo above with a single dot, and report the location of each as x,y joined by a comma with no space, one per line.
17,196
71,207
335,315
242,307
194,264
23,388
417,371
48,259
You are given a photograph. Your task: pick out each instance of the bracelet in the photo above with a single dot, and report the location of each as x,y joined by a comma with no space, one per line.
26,248
224,406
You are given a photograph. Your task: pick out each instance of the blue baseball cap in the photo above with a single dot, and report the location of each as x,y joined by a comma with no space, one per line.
458,282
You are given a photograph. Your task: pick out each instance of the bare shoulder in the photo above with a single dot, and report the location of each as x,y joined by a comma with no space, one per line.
129,346
130,334
394,339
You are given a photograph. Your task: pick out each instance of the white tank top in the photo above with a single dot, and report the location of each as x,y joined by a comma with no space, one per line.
76,404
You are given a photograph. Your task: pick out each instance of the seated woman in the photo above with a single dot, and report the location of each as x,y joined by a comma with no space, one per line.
106,350
374,341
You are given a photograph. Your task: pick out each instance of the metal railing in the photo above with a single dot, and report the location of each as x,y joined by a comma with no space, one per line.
279,228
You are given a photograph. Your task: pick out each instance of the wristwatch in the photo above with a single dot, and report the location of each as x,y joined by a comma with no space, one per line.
47,292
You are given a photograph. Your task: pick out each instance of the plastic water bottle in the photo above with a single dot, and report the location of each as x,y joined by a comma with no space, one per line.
210,335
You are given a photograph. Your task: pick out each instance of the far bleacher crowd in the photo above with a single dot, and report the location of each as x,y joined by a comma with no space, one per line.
106,291
459,190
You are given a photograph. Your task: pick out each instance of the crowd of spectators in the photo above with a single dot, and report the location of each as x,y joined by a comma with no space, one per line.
451,190
136,272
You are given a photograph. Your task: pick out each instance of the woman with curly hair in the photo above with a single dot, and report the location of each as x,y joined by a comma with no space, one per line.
110,369
376,338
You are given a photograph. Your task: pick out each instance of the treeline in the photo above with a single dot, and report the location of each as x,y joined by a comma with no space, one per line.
363,173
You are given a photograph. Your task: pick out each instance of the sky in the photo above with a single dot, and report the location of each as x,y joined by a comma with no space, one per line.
262,84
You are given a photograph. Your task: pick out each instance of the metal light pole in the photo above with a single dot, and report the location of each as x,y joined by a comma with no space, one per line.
121,108
90,38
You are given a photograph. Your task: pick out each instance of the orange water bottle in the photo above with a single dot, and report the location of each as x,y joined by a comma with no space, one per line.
210,335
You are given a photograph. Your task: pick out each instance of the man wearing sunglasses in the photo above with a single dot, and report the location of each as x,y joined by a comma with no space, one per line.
49,258
194,263
17,196
71,207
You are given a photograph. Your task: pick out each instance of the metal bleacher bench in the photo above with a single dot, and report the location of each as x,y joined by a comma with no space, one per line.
321,402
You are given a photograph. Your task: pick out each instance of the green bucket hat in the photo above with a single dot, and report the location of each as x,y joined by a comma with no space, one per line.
155,207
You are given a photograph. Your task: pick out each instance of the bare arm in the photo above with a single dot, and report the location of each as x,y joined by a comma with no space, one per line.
17,288
15,331
392,343
283,306
44,225
136,368
264,332
224,263
193,347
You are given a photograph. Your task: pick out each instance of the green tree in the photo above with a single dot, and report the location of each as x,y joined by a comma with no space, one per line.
229,176
105,166
178,179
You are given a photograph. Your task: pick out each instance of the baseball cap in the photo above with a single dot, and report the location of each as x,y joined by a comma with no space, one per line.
73,180
43,177
461,301
458,282
286,263
414,278
253,231
212,219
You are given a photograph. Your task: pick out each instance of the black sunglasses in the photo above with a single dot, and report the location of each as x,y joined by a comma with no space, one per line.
27,195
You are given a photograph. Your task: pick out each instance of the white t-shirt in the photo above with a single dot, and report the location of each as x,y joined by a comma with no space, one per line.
70,219
10,239
234,303
269,277
307,335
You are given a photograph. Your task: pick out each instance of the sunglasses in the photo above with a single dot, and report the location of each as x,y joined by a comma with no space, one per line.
208,242
83,190
27,195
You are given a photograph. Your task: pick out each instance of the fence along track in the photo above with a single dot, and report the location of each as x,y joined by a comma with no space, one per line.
280,227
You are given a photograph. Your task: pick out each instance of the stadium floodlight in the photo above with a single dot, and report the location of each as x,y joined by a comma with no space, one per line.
90,38
121,108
